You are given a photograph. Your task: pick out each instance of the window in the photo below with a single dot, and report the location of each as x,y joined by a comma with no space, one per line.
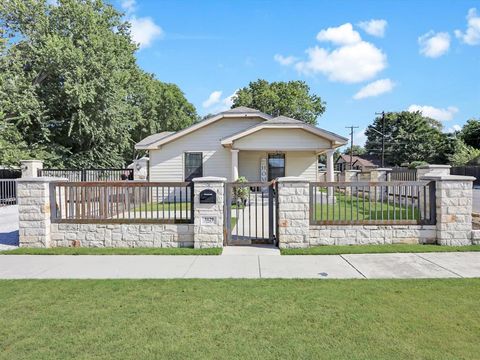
193,165
276,166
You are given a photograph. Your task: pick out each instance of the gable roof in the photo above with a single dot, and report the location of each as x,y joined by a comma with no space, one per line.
285,122
241,111
356,159
153,138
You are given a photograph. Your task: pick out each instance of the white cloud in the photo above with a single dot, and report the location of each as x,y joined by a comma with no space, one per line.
350,64
341,35
434,44
228,101
472,35
213,99
374,27
453,128
128,5
375,88
359,138
145,31
435,113
284,60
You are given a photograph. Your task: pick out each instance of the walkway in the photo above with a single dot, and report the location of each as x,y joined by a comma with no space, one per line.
8,227
355,266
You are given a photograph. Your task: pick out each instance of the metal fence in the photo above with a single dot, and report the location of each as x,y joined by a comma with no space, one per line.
122,202
8,192
10,174
396,203
402,174
467,171
89,174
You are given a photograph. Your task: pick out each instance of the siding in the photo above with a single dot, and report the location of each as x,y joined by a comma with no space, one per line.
166,164
297,163
281,140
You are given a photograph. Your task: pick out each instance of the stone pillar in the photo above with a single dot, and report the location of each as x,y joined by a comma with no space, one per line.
293,212
30,168
234,164
378,175
432,170
140,168
209,218
351,176
33,198
453,208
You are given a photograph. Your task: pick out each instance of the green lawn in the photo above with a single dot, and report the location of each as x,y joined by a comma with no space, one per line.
372,249
112,251
350,207
153,207
240,319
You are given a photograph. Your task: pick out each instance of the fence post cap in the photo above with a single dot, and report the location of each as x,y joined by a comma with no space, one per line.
209,179
433,166
353,170
41,179
31,161
448,178
382,169
292,179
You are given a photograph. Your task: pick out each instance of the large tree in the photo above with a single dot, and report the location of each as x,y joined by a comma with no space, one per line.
470,133
71,85
409,137
290,98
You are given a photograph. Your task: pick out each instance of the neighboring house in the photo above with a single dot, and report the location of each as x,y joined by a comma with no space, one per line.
240,142
358,163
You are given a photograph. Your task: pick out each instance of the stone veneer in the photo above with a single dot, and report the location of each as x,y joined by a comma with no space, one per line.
208,218
121,235
476,237
371,234
293,212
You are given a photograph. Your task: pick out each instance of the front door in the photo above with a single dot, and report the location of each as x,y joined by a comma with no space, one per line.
276,166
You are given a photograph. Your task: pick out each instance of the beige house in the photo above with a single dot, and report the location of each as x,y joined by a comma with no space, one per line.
358,163
241,142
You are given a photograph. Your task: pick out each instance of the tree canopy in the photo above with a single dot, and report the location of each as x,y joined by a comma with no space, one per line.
292,99
357,150
70,89
409,137
470,133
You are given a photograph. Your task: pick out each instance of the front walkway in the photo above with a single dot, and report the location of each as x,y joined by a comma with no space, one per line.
359,266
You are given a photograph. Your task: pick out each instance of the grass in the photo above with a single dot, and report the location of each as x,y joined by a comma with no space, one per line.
153,207
376,249
240,319
354,208
112,251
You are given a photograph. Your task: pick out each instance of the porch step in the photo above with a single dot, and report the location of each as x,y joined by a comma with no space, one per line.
251,250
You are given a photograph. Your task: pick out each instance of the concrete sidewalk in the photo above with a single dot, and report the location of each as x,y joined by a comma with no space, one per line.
357,266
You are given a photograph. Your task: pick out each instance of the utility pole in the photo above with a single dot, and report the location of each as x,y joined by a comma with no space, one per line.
351,143
383,136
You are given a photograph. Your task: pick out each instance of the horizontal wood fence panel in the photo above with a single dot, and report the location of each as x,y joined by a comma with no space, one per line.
89,174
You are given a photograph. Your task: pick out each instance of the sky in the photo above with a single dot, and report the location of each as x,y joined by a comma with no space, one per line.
360,57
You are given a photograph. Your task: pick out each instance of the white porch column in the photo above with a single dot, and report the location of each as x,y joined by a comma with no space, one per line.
330,170
234,164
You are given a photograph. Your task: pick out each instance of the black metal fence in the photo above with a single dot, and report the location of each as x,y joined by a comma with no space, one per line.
368,203
89,174
8,192
122,202
10,174
467,171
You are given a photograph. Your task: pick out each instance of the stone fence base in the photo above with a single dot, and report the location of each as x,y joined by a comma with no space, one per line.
121,235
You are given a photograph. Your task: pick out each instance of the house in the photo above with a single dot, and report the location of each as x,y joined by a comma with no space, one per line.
358,163
240,142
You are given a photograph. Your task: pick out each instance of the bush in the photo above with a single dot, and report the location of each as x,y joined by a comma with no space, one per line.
240,193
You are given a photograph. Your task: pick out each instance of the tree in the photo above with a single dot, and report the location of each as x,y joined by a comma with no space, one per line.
357,150
292,99
463,154
470,133
71,86
409,137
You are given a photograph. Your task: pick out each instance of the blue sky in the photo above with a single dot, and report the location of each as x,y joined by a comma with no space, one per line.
414,55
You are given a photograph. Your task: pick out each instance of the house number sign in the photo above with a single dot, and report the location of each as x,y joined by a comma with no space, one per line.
208,220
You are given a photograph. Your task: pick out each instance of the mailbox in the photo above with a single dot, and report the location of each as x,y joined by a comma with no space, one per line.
208,197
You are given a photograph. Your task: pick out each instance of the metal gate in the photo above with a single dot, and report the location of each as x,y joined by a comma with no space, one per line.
251,213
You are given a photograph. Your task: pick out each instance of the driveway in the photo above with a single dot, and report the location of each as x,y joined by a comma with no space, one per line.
8,227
